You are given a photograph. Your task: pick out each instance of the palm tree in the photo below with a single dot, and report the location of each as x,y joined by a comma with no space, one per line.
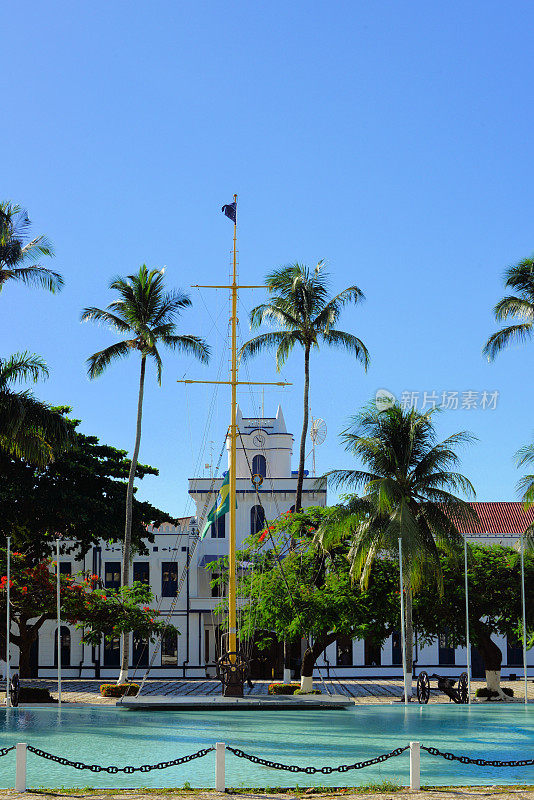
19,253
519,306
29,429
409,485
147,315
300,306
525,455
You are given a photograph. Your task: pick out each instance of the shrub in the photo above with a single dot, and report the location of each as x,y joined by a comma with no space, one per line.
490,693
283,688
35,694
312,691
119,689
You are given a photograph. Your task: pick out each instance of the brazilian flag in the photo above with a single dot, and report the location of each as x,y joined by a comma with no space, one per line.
221,505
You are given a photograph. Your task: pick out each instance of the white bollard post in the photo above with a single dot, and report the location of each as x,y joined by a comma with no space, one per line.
415,766
220,749
20,768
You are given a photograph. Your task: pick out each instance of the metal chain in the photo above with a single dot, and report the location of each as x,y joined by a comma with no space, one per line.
312,770
128,770
481,762
5,750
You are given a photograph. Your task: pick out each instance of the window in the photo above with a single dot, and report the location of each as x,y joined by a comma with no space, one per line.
112,652
112,575
217,590
141,571
169,650
139,652
372,654
259,466
447,654
514,652
218,528
65,568
344,651
257,519
396,648
65,647
169,578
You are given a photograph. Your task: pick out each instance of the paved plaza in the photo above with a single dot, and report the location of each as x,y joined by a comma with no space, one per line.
378,690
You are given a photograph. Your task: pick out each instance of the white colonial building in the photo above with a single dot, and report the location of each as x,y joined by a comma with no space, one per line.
186,595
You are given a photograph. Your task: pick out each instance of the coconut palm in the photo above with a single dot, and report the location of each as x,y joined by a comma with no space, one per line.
525,455
146,314
300,306
19,253
29,429
409,492
519,306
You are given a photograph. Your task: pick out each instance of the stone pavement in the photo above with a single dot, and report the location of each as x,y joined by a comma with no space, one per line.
363,690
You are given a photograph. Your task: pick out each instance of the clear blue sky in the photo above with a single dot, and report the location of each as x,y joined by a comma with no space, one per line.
392,139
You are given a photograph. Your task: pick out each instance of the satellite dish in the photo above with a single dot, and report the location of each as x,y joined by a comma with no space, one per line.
318,431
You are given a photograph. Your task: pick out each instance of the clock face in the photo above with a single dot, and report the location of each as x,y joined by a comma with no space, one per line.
259,440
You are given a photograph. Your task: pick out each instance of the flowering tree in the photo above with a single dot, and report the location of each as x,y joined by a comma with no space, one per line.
98,612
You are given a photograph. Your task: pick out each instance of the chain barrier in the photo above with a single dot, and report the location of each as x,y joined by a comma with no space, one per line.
312,770
481,762
112,770
5,750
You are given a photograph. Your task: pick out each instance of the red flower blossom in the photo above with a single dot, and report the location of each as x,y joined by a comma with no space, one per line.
262,537
24,590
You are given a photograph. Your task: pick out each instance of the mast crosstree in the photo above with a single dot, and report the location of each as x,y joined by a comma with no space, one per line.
232,661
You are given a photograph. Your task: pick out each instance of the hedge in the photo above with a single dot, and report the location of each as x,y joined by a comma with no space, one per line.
119,689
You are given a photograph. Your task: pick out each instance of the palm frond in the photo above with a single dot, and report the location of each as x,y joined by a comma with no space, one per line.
506,336
103,316
186,343
98,362
349,343
264,341
517,307
22,367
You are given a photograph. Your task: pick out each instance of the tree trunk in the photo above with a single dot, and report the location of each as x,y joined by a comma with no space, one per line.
287,661
126,552
492,657
302,454
311,654
409,637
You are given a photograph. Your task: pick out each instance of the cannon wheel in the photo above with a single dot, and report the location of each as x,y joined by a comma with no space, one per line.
463,688
14,690
423,687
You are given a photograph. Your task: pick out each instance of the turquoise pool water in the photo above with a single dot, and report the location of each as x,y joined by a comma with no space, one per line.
319,738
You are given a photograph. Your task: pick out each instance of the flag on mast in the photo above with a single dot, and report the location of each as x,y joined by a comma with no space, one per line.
231,211
221,505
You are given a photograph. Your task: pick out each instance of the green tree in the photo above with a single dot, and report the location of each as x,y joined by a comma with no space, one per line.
301,308
98,612
519,306
80,496
298,591
29,429
409,492
19,252
147,315
494,581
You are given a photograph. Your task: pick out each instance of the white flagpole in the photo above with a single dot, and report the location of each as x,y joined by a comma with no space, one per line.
467,640
8,622
524,617
58,592
405,677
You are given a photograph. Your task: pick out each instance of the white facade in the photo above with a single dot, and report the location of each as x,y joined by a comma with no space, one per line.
264,448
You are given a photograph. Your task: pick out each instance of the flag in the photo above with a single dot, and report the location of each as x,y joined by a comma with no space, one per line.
231,211
221,505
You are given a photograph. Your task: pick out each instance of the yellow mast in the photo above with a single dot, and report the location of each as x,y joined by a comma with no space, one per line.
232,567
234,383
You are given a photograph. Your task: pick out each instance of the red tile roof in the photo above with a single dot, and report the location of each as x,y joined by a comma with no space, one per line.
502,518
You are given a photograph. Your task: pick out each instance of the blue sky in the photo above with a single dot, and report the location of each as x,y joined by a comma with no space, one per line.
392,139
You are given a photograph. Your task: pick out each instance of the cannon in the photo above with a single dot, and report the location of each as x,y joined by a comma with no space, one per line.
458,694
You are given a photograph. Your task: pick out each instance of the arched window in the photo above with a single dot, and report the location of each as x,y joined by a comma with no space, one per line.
257,519
259,466
65,647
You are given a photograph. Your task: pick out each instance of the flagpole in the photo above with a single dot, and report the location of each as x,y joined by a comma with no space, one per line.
232,569
8,621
